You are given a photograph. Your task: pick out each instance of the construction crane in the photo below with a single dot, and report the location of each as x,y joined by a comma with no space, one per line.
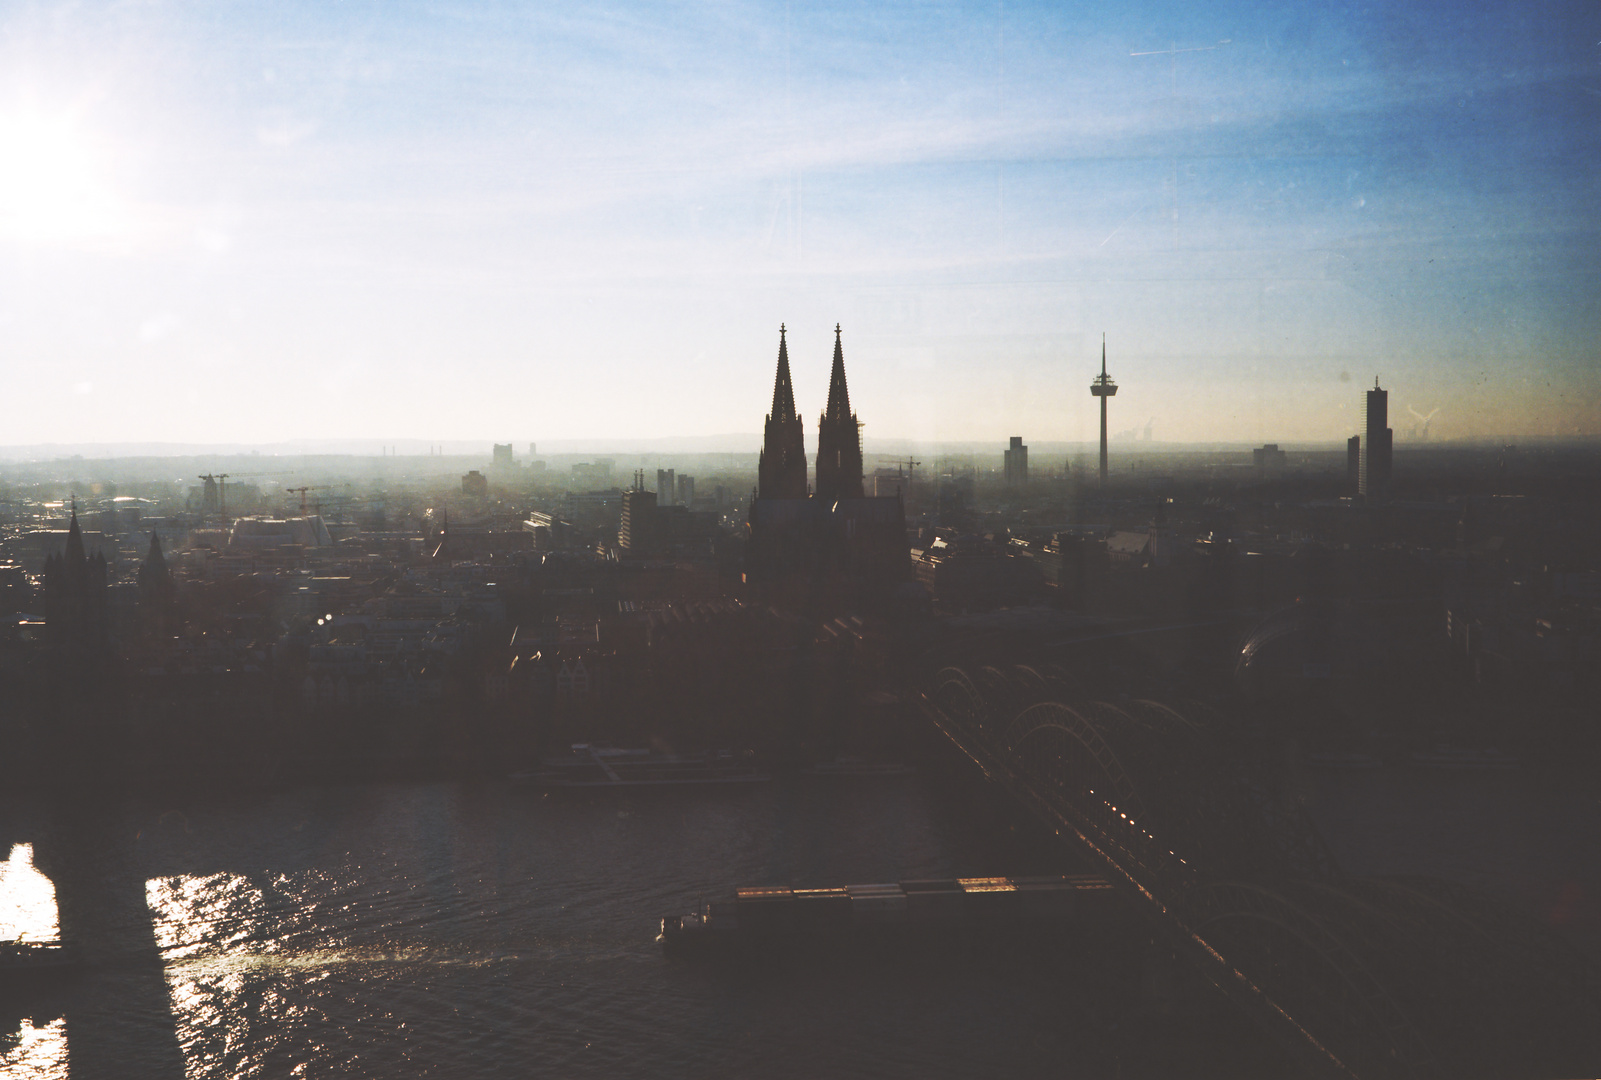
302,491
220,478
908,464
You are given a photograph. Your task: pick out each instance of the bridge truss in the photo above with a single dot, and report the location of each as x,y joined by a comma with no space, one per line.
1357,977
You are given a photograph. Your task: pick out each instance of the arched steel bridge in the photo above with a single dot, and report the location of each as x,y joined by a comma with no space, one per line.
1394,977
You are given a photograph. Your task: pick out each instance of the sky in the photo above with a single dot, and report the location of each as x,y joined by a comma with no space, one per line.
240,222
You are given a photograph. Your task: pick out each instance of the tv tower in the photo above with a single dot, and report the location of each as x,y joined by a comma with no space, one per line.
1103,387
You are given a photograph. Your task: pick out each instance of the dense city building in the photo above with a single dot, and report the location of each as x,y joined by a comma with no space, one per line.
1268,460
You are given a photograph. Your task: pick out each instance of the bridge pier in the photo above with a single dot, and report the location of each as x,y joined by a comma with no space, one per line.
118,1006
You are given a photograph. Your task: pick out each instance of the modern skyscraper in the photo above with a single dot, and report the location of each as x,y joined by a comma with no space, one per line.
1353,462
666,485
839,438
1016,467
781,469
1103,387
1377,443
637,532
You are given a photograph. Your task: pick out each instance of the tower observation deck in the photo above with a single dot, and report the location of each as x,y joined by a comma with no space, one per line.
1103,387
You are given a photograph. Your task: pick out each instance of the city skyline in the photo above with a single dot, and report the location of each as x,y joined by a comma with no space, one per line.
468,224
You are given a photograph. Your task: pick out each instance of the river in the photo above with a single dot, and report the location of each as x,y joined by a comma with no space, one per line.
470,930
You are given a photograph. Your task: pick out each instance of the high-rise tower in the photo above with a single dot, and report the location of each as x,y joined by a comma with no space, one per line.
1376,445
1103,387
781,469
839,438
1015,462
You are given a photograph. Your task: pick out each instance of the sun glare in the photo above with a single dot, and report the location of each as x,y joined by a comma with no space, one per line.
50,184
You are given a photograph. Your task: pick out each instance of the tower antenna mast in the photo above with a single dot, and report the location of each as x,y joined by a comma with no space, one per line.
1103,387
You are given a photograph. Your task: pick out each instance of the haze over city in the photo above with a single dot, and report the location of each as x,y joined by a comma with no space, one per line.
939,540
473,222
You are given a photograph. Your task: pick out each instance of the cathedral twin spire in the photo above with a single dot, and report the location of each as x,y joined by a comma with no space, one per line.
839,438
783,389
782,467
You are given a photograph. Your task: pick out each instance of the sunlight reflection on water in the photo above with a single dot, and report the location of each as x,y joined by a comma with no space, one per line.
35,1053
209,927
28,913
27,900
192,913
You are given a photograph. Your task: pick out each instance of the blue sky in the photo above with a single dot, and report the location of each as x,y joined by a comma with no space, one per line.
457,221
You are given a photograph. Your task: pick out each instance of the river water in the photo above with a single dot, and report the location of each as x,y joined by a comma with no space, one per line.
456,930
459,930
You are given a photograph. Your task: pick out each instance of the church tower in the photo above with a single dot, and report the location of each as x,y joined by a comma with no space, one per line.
157,593
781,469
75,596
839,438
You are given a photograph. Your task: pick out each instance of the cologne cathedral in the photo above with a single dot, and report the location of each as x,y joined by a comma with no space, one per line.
830,548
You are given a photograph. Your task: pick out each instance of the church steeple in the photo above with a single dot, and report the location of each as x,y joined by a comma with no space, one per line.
839,437
781,469
157,592
839,396
154,567
75,594
783,389
74,549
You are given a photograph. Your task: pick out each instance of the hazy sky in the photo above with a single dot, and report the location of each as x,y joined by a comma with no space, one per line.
228,221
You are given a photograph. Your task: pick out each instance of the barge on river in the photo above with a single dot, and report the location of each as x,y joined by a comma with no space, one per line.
780,912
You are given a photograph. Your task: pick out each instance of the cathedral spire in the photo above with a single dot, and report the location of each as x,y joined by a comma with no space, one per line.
155,560
74,550
156,591
783,389
839,396
75,594
781,469
839,437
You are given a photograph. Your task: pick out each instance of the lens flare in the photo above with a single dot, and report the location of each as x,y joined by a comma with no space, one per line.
51,181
